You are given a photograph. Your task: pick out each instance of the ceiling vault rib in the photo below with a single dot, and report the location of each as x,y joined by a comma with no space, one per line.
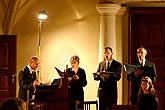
10,15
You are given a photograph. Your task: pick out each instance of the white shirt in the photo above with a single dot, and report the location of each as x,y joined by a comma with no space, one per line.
142,62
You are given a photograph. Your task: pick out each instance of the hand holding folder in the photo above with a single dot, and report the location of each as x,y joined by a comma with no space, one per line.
103,74
130,68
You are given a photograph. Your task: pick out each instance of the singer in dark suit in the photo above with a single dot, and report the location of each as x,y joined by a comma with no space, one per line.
146,68
27,79
107,91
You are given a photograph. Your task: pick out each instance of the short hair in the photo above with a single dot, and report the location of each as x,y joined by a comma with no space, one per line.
12,104
75,58
108,48
143,48
34,58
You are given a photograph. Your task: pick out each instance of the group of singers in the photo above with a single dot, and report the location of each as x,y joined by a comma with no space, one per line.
107,90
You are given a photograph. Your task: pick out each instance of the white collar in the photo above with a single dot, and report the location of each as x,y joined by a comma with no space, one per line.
109,61
30,69
142,62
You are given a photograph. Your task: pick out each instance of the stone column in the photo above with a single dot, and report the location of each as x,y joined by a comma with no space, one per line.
122,85
107,27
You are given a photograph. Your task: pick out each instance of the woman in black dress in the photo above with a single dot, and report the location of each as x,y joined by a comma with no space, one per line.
77,80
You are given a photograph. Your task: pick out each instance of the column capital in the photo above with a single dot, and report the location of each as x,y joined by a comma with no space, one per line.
121,11
108,9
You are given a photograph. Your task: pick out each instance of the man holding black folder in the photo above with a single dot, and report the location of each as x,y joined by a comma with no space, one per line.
145,68
108,73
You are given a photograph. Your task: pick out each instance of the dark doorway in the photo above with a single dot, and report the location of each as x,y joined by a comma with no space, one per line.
7,66
147,28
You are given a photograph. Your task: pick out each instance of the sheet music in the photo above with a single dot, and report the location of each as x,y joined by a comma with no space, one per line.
130,68
104,72
59,72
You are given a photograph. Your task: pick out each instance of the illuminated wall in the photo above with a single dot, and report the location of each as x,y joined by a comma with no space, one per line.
71,28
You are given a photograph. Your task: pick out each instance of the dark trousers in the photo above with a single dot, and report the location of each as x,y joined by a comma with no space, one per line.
104,104
106,101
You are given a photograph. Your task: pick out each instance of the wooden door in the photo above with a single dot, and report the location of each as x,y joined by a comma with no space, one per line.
147,28
7,66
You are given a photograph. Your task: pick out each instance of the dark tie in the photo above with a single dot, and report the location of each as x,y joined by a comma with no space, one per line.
33,74
108,66
141,63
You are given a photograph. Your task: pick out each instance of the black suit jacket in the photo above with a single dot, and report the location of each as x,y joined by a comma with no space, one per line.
26,80
108,87
149,70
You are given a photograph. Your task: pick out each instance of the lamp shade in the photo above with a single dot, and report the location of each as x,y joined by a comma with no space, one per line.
42,15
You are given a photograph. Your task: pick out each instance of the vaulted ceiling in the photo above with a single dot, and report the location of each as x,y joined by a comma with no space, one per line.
11,11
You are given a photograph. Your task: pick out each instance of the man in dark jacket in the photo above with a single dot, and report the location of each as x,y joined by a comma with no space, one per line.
27,79
145,68
109,73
